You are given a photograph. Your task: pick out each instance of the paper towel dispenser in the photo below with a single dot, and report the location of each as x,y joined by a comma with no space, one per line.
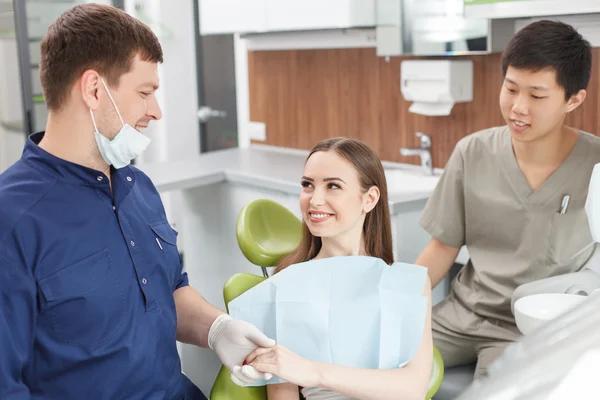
434,86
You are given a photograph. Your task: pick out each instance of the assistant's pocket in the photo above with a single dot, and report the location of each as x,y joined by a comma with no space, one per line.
83,302
568,234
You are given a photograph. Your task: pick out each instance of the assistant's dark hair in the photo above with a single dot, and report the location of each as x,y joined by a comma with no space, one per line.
552,45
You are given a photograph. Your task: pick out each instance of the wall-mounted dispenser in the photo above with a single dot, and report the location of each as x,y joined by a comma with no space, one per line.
434,86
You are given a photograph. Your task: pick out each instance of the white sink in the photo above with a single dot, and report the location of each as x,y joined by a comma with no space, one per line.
409,181
533,311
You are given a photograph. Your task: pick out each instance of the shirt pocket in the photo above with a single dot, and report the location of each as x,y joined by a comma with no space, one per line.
83,302
166,244
569,233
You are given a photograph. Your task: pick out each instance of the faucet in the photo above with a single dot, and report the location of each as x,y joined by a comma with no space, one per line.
423,152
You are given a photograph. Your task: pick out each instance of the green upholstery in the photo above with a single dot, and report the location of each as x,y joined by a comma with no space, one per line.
266,231
225,389
238,284
437,373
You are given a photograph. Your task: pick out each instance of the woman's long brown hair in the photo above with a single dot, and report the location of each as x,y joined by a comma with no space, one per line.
377,230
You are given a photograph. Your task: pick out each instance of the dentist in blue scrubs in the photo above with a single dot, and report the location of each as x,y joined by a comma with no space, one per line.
92,293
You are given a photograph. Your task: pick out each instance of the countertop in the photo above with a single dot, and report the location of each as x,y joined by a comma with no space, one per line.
268,167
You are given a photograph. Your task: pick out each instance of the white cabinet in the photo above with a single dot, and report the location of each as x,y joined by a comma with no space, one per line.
498,9
247,16
285,15
231,16
410,240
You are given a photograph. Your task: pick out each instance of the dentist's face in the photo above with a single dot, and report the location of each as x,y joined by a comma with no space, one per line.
135,98
332,201
533,104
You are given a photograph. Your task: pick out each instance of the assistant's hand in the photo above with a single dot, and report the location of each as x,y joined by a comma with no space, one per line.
286,365
233,340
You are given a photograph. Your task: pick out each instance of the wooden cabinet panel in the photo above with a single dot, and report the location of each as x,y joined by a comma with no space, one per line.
307,95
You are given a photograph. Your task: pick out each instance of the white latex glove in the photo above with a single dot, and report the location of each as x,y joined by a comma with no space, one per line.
233,340
247,374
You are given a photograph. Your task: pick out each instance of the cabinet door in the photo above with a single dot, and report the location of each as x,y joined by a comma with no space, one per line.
286,15
410,240
232,16
494,9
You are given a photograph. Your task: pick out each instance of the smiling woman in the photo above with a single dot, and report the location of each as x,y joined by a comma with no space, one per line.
345,212
344,195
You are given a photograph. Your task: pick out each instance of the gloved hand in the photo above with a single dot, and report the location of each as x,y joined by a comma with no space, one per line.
233,340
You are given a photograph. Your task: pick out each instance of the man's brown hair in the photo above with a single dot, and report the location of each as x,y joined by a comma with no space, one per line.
92,36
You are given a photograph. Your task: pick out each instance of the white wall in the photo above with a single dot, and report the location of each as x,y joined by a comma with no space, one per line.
11,146
176,135
12,137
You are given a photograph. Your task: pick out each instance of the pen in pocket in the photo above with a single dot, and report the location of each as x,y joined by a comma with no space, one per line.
565,204
157,242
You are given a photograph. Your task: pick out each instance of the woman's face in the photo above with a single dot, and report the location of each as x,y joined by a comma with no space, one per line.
332,201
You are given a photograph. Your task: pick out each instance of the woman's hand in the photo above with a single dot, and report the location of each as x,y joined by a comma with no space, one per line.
285,364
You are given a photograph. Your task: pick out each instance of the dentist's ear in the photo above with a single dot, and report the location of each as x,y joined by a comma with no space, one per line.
88,87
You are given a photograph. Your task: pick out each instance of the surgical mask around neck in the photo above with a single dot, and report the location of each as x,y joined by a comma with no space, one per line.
126,146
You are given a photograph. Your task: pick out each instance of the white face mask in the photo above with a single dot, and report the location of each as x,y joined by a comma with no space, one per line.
126,146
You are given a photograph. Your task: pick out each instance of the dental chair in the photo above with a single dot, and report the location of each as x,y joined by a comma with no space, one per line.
583,282
455,381
266,231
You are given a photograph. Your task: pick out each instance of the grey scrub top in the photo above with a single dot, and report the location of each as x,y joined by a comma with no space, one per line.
514,234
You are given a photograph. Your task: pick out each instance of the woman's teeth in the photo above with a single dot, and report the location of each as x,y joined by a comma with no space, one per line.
319,216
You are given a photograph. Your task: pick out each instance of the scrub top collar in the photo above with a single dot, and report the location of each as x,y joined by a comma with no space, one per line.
67,171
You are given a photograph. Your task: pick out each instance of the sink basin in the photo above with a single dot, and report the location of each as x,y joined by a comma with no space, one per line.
535,310
409,181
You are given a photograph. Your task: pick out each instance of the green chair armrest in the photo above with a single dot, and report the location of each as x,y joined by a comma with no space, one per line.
225,389
437,373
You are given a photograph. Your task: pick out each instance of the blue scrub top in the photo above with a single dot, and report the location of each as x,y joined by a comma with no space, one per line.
87,277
